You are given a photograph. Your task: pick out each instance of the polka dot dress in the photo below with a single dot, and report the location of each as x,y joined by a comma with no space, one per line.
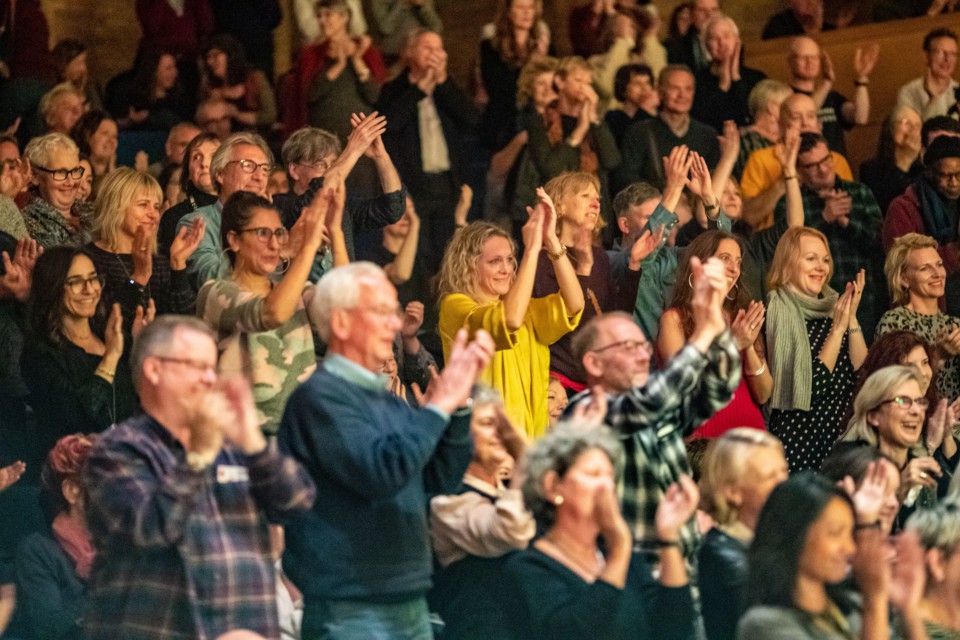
808,436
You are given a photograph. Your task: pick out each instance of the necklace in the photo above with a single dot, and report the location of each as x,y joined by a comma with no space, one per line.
144,290
566,553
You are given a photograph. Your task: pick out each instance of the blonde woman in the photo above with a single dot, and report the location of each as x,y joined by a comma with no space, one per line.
737,474
814,347
124,247
481,287
577,200
916,278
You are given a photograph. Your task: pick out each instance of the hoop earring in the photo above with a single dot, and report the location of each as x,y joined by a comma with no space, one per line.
690,280
736,285
286,265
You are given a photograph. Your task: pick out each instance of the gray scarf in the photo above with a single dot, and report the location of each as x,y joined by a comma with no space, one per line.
788,345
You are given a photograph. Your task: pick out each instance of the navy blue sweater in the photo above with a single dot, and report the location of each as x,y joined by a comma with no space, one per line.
375,460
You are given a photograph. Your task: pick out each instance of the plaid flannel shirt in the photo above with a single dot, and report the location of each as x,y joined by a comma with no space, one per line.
183,553
652,421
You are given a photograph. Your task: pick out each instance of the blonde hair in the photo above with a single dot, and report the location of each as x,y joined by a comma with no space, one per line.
567,184
52,97
571,63
724,466
458,271
873,393
896,262
118,190
788,253
529,74
765,92
39,149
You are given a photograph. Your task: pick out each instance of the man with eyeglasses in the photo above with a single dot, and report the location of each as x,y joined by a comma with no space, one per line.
931,206
179,499
242,163
935,92
653,413
848,215
362,557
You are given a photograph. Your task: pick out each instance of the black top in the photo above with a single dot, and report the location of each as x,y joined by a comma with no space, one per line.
647,142
548,600
886,180
499,121
723,582
67,396
618,122
713,106
783,24
167,229
831,120
50,596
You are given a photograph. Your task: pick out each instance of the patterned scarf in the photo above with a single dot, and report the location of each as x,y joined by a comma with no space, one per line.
75,541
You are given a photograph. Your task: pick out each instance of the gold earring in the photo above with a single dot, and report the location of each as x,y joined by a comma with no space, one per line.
558,500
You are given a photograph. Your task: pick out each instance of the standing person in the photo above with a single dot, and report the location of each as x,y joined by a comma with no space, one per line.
261,324
935,92
811,73
815,346
251,22
429,117
519,36
180,497
724,87
481,287
652,414
897,163
362,556
395,19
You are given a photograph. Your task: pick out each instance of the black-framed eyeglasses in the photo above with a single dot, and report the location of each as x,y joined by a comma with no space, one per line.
625,345
947,177
249,166
905,402
59,175
196,365
78,284
265,233
823,162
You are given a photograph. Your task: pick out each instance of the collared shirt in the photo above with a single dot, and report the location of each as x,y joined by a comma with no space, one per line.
183,553
652,422
364,378
208,262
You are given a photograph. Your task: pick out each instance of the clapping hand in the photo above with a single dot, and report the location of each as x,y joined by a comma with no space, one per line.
18,272
590,413
747,324
366,133
864,61
676,508
186,242
143,317
645,244
868,499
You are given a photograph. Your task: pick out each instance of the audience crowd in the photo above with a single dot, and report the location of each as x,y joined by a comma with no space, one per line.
610,345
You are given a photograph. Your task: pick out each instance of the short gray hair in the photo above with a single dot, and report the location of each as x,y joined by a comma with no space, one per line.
39,149
340,289
155,340
558,451
309,144
765,92
223,154
634,195
50,98
938,527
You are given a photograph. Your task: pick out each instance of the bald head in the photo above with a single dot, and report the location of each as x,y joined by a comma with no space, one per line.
804,59
799,110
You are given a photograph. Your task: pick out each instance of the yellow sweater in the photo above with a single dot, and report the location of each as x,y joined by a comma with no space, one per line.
520,369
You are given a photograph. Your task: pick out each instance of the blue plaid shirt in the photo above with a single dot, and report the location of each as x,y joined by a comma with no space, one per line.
183,553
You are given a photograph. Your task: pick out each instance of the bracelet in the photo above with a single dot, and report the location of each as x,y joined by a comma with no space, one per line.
860,526
711,207
104,373
861,83
853,330
762,368
558,254
661,544
786,177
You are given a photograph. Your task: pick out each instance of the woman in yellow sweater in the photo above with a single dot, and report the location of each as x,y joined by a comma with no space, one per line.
481,287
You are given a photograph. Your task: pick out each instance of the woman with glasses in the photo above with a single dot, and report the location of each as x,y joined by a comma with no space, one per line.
481,287
814,345
73,362
124,248
889,414
917,280
54,217
261,323
745,318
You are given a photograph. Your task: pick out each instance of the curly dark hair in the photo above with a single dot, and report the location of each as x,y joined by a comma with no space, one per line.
86,126
145,79
237,66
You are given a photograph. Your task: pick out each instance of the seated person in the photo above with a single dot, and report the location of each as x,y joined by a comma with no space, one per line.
935,92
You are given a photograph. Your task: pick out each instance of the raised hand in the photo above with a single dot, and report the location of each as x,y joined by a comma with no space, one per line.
729,140
786,150
949,340
856,295
18,275
837,206
864,60
113,335
11,473
841,310
869,498
550,239
412,319
452,387
676,167
700,183
643,246
532,231
143,317
676,508
367,130
709,288
746,326
142,254
186,242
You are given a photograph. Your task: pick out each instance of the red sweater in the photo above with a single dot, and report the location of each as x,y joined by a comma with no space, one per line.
904,217
164,30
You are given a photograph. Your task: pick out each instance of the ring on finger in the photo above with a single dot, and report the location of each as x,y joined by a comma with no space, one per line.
923,475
